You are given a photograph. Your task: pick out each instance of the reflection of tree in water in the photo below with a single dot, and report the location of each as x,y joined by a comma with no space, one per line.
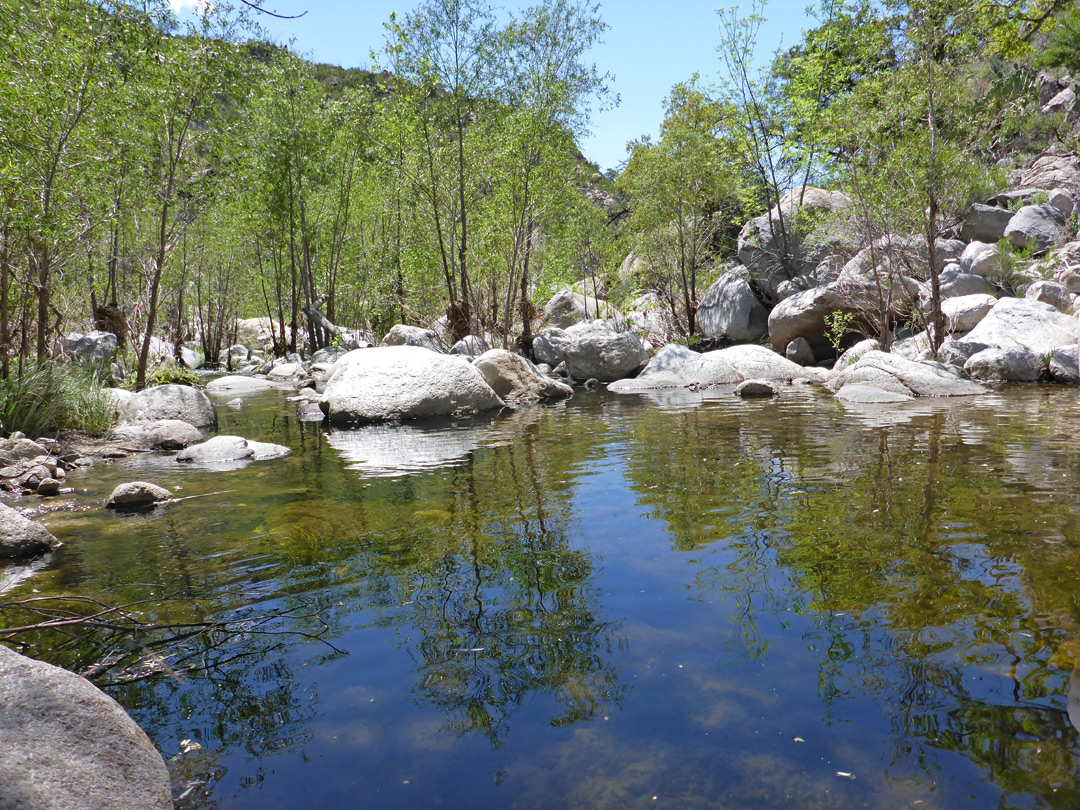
502,601
926,586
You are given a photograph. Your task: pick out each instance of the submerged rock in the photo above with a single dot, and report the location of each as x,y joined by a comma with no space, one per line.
231,448
757,389
137,494
65,744
239,384
404,382
20,537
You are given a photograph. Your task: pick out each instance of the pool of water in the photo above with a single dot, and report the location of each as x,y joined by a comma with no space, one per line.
682,600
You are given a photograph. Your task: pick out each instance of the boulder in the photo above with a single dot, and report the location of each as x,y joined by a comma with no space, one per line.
861,394
1037,228
604,357
256,332
852,355
981,259
470,346
799,351
758,362
20,537
955,353
1004,365
676,366
1064,201
652,318
231,448
171,402
549,346
18,449
1052,293
48,487
757,389
286,371
567,308
328,355
1024,324
162,434
730,309
235,354
136,495
95,347
404,382
1054,171
963,313
902,376
804,314
402,335
985,223
237,384
954,284
1063,366
1063,102
515,379
66,745
774,254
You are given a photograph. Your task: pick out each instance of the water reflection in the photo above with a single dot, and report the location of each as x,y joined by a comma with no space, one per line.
624,597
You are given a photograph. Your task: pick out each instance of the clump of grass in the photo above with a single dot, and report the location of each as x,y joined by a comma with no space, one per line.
46,399
170,373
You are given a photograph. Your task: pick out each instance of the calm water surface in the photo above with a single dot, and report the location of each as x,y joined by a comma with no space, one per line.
679,601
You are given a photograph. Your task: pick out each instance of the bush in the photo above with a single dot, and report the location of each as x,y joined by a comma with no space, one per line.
46,399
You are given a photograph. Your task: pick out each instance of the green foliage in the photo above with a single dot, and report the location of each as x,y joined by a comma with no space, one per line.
837,326
47,398
170,373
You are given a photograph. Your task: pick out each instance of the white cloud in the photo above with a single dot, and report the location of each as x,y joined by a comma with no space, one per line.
182,5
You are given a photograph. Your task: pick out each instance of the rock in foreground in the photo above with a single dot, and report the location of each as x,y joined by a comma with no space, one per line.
20,537
66,745
404,382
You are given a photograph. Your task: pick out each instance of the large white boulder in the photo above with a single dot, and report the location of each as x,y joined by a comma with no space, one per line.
676,366
900,376
1019,323
962,314
171,402
404,382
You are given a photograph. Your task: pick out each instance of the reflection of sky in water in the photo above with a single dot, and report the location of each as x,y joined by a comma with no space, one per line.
392,450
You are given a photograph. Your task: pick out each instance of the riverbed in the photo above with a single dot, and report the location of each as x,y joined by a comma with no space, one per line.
680,600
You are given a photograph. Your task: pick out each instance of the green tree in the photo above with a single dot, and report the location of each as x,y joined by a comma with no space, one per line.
683,192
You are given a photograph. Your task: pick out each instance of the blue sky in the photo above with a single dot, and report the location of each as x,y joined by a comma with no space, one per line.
649,47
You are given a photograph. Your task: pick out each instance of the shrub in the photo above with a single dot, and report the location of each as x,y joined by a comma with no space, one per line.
48,398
